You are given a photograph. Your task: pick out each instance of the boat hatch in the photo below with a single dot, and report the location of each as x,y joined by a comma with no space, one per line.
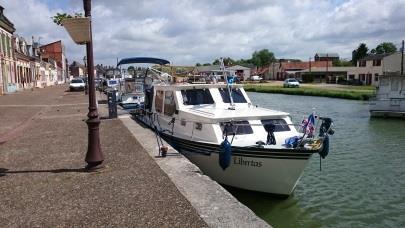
280,124
236,127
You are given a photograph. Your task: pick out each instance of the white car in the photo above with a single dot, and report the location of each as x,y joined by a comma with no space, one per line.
77,84
291,82
256,78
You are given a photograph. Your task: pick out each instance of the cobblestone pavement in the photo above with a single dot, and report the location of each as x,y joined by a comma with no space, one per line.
43,141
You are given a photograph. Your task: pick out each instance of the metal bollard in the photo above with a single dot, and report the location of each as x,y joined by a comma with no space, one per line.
112,104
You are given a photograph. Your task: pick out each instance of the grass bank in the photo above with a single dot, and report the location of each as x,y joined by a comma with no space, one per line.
344,92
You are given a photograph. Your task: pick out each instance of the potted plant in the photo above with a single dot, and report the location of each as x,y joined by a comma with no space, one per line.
77,26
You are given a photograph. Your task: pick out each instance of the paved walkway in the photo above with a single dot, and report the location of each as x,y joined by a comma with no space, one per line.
43,141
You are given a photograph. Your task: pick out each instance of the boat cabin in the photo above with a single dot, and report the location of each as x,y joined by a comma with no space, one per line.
204,112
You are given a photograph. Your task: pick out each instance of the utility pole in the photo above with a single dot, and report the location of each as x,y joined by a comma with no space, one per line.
327,66
402,58
94,156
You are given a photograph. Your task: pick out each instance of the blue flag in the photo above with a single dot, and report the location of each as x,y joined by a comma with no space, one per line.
230,79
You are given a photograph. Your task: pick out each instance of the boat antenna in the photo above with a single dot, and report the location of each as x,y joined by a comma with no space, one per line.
229,82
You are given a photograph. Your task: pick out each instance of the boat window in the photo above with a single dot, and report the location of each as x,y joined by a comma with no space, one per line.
237,127
237,95
159,101
196,97
280,124
394,84
170,104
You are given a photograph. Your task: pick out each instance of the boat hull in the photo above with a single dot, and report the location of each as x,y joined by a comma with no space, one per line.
275,171
390,107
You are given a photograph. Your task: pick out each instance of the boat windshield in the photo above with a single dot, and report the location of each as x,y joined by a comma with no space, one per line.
280,124
112,82
197,97
237,95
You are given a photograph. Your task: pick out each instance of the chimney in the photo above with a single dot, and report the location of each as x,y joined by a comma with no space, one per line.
1,10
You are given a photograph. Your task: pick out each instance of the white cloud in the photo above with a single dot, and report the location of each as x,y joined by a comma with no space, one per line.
190,31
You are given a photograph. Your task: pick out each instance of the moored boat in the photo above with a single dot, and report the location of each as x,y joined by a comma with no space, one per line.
390,97
236,143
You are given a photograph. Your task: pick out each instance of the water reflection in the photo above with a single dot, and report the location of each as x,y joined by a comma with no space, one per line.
277,211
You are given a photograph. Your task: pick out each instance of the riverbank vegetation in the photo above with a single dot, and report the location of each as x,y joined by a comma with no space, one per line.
344,92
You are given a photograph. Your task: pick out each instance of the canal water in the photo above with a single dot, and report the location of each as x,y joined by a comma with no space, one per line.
362,182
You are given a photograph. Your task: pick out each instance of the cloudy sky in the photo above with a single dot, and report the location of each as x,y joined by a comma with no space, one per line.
190,31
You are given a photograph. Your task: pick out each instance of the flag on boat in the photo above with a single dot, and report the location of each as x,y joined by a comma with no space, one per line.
230,79
308,125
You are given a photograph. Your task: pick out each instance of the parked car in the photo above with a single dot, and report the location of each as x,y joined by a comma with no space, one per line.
77,84
291,82
256,78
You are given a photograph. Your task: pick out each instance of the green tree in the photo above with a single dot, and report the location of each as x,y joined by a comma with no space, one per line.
198,64
227,61
262,58
207,64
385,48
243,62
359,53
341,63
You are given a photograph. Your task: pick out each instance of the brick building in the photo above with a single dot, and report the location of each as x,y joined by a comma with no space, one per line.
56,52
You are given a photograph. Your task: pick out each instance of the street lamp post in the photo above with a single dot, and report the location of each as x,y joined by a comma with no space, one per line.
86,84
94,156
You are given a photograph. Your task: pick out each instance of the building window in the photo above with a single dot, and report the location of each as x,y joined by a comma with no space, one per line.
8,45
362,77
376,77
351,76
159,101
170,103
3,43
362,63
377,62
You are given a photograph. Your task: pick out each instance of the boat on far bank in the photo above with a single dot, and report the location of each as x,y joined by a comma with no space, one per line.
390,97
234,142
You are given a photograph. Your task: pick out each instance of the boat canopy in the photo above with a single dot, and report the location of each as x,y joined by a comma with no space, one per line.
143,60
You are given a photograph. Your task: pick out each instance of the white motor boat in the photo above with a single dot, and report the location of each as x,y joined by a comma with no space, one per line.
390,97
234,142
131,95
